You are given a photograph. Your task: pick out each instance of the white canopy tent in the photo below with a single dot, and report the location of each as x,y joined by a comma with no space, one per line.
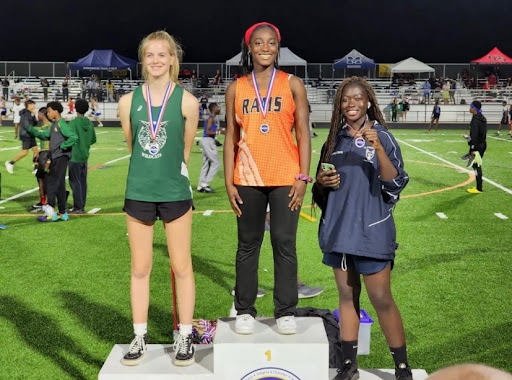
411,65
286,58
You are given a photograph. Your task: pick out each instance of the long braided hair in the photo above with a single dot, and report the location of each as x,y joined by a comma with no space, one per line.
246,58
338,120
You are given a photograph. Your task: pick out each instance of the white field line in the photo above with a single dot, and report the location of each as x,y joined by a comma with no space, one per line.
16,196
501,139
500,215
94,210
100,133
441,215
495,184
11,148
208,213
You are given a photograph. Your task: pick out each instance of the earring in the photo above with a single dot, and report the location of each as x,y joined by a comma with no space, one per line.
369,105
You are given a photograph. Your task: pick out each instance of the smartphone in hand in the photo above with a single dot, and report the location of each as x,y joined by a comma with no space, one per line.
327,166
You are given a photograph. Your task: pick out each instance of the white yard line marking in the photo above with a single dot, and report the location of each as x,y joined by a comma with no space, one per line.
456,141
208,213
500,215
11,148
94,210
495,184
7,131
498,138
16,196
100,133
441,215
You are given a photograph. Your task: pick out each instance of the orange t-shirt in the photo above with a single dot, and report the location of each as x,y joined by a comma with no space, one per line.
267,153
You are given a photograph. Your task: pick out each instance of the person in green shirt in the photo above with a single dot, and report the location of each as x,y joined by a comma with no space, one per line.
159,120
62,138
84,129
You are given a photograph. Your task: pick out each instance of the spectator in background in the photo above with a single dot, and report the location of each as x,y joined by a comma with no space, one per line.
446,92
394,109
436,113
90,88
15,110
27,120
94,112
205,82
110,90
5,88
504,117
426,92
65,89
486,85
204,105
3,109
83,89
453,88
45,85
405,108
217,78
84,129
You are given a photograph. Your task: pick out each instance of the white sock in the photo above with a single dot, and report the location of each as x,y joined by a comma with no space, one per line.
185,329
140,328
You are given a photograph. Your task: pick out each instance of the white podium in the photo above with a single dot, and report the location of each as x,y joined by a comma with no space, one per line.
266,354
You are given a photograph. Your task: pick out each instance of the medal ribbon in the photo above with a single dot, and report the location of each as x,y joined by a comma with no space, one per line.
261,103
154,126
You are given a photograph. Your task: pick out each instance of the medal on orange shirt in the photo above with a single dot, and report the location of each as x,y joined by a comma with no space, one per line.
154,125
262,103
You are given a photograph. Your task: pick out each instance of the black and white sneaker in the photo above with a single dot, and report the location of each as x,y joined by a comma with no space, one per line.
347,372
470,161
403,372
138,349
183,351
38,205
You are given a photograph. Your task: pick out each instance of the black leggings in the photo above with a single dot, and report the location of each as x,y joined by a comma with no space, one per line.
478,169
283,231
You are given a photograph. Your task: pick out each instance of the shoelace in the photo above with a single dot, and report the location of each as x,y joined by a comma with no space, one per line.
286,320
137,344
246,318
181,346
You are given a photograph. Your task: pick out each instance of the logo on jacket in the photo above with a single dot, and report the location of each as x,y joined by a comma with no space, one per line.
149,145
369,153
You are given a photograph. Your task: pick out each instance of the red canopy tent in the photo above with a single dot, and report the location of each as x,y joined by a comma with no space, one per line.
494,57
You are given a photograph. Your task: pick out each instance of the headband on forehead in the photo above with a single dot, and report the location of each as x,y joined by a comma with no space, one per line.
478,110
249,31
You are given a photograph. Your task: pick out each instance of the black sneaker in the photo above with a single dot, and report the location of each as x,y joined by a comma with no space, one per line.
347,372
403,372
206,189
138,348
184,351
470,161
466,156
38,205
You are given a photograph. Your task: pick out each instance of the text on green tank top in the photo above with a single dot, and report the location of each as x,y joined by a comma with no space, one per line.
157,171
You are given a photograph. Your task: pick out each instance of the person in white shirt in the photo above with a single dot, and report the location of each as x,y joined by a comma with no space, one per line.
15,110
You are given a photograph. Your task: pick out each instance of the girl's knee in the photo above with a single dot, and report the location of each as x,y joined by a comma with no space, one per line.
382,301
141,271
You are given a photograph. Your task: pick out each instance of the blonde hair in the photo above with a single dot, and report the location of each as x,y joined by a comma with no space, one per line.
174,49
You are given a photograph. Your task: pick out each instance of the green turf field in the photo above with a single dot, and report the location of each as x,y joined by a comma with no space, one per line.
64,298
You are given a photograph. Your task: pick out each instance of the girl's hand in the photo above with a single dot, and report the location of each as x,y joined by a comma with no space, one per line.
297,194
234,199
328,178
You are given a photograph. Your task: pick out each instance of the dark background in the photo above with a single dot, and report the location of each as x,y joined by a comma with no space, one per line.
209,31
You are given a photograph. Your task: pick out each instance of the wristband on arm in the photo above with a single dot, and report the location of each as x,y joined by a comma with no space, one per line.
304,177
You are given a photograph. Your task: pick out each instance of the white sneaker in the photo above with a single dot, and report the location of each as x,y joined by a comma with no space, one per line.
244,324
286,325
9,167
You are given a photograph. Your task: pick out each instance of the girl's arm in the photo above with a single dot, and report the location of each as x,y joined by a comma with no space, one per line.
189,107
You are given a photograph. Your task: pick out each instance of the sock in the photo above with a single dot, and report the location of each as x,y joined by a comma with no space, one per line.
43,200
399,355
349,349
185,330
140,328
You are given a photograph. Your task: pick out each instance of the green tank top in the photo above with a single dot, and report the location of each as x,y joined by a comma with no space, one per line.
157,171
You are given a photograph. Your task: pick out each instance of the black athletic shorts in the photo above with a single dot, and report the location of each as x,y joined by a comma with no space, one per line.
151,211
28,142
361,264
44,156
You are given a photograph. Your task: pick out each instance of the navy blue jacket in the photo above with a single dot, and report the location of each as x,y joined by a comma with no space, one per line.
357,218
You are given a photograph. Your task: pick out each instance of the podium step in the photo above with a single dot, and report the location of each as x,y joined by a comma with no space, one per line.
382,374
157,364
268,354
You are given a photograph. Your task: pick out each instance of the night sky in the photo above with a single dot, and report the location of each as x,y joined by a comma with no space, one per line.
211,31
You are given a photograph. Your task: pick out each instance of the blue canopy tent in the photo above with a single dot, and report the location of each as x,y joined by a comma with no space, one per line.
354,60
104,60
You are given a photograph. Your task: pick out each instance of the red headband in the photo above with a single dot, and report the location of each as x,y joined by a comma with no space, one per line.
249,31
